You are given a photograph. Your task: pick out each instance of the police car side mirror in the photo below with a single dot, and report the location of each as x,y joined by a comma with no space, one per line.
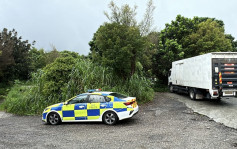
66,103
107,99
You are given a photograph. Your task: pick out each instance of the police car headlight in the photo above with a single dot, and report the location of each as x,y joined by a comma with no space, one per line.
46,109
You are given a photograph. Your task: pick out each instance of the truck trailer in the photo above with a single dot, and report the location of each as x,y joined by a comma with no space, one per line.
211,75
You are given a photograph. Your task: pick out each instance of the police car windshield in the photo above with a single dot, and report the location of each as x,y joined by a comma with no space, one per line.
118,95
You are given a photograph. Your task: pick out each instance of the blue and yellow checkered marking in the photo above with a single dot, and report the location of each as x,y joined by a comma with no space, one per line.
68,113
87,111
93,112
44,115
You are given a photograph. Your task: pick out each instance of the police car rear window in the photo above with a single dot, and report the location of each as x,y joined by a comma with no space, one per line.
118,95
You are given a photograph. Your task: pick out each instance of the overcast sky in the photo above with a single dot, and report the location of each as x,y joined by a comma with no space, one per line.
70,24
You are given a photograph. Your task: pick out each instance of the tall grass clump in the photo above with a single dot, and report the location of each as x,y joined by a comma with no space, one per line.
67,77
17,99
136,86
87,75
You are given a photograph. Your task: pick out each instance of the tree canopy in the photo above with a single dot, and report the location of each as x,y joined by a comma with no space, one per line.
125,15
117,46
14,62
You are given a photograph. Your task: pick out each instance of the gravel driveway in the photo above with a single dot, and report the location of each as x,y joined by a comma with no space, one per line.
164,123
223,111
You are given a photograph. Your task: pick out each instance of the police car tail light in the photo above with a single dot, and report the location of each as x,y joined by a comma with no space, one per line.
128,103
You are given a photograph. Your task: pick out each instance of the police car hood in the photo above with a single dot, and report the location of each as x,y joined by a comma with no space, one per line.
55,105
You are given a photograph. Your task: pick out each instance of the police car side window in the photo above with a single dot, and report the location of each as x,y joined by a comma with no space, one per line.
78,99
96,99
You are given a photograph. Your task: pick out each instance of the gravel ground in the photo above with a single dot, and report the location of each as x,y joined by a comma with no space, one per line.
223,111
164,123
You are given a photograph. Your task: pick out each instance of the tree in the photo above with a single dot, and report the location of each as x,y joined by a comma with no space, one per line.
187,37
117,46
233,42
52,55
37,59
14,59
147,22
147,57
121,43
6,46
69,53
126,16
209,37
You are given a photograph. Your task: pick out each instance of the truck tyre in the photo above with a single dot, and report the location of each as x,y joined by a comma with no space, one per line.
192,94
171,88
218,99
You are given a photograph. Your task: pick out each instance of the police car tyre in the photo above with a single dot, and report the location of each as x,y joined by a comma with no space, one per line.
110,118
54,118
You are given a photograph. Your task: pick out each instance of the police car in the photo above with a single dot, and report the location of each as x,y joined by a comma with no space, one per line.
107,107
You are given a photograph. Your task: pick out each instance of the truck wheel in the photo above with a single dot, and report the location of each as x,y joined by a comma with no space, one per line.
171,88
192,94
218,99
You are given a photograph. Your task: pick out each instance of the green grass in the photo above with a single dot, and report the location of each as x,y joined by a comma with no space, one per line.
4,89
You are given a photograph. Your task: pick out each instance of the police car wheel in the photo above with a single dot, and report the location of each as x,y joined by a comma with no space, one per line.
53,118
110,118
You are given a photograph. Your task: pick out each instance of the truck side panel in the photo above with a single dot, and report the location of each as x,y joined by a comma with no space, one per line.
193,72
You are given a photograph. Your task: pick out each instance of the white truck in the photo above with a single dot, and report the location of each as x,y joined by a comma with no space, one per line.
212,75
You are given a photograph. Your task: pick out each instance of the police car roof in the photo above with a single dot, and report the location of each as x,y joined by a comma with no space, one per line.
103,92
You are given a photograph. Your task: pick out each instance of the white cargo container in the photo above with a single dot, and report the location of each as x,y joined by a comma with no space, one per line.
211,75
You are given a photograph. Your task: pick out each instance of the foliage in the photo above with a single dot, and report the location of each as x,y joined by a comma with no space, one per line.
146,24
233,42
117,46
209,37
18,99
147,57
116,34
14,58
37,59
56,75
52,55
185,38
88,75
126,16
136,86
67,77
69,53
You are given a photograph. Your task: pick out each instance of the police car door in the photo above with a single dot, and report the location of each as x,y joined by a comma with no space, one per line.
94,106
75,109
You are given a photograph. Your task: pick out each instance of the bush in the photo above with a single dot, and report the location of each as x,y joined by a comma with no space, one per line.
67,77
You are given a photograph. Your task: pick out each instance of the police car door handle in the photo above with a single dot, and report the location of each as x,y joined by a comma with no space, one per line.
103,105
81,106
